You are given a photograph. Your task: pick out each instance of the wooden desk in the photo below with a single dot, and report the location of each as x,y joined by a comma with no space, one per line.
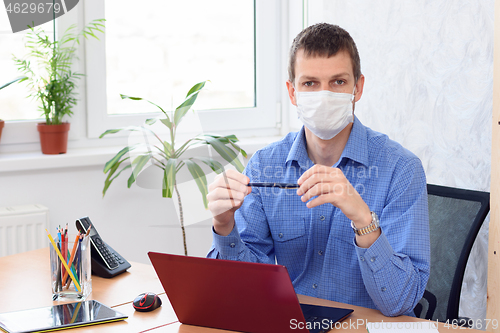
355,323
25,283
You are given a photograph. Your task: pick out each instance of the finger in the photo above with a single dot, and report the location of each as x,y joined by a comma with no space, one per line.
322,188
225,194
320,200
317,168
222,206
322,174
311,181
238,176
227,183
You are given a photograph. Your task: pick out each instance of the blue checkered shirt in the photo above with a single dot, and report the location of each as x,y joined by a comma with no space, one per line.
317,245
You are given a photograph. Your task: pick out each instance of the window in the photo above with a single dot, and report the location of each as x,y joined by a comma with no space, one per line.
15,105
158,52
161,53
242,99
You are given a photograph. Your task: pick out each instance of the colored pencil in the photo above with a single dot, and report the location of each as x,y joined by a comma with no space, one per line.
64,262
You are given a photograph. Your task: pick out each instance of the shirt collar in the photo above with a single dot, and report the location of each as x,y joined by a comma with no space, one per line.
298,151
356,147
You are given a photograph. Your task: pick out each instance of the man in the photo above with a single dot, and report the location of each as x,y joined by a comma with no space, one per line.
357,229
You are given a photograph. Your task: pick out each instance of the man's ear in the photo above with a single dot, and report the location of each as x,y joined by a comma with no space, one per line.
359,88
291,92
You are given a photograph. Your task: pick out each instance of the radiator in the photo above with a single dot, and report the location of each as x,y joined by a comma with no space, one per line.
22,228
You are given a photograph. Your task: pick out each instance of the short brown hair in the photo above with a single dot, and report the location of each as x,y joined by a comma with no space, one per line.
324,40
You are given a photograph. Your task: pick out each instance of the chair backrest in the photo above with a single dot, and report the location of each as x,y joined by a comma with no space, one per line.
455,217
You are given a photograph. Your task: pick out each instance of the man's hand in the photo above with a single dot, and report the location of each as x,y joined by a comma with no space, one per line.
329,185
225,196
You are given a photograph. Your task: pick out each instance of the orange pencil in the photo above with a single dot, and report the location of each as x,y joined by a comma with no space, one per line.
71,258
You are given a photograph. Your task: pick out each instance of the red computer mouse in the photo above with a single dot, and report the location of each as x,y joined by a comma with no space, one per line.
146,302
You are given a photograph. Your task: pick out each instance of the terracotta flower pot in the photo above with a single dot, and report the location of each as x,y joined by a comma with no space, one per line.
2,123
53,138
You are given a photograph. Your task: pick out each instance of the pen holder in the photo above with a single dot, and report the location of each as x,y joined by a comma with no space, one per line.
76,284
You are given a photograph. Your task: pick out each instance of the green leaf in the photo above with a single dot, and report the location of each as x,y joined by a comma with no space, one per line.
213,164
226,153
130,97
231,139
200,179
139,162
109,180
167,148
20,79
238,148
159,107
128,128
151,121
167,122
109,164
169,174
182,109
196,87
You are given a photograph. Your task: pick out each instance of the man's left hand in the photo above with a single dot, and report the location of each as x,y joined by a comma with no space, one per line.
329,185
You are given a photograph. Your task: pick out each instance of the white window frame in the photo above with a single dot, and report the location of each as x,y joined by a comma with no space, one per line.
263,119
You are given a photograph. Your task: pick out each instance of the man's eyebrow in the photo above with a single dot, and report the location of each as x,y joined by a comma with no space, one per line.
312,78
308,78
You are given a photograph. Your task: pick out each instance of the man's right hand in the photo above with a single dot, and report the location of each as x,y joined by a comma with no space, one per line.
225,196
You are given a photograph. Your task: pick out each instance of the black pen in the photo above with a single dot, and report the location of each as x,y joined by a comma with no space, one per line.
280,185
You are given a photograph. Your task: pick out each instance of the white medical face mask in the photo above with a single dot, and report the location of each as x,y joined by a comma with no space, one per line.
325,113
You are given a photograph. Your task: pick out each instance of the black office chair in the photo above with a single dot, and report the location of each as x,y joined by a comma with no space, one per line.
455,217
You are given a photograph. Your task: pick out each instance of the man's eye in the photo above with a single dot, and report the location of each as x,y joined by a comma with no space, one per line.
339,82
308,84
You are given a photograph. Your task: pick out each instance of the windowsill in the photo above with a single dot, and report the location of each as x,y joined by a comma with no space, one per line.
86,157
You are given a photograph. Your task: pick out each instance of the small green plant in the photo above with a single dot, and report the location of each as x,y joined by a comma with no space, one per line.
47,68
168,155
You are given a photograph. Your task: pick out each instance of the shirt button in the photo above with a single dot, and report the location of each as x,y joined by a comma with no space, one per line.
280,235
383,289
361,258
232,245
322,218
372,259
320,252
315,286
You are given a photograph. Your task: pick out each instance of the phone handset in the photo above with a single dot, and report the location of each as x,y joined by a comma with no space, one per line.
105,261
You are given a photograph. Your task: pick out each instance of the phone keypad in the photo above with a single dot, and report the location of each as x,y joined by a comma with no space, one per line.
108,257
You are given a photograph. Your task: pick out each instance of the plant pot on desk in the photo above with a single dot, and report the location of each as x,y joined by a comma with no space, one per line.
2,123
53,138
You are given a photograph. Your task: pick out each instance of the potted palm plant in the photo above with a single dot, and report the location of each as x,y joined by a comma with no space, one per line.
20,78
50,79
170,156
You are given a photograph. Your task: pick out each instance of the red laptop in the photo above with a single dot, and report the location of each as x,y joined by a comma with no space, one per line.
238,296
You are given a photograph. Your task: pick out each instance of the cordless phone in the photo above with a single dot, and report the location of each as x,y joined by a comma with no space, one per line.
106,262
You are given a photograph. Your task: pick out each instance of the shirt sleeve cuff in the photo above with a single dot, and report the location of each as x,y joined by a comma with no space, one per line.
228,246
377,255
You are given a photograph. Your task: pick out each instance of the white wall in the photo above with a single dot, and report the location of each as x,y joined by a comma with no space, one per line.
133,221
429,85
